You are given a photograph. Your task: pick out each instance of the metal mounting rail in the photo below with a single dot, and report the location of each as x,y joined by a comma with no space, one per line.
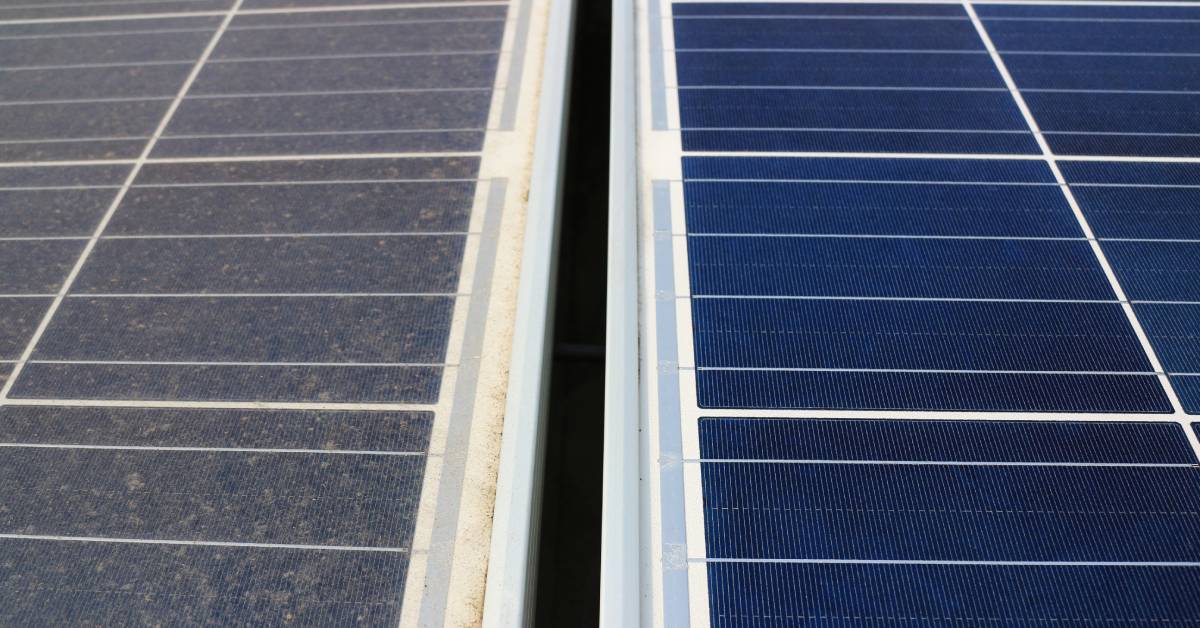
509,597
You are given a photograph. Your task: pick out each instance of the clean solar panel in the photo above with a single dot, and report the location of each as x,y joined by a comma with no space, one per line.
924,312
249,248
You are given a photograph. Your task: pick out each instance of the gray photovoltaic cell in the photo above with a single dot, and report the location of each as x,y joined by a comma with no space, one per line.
405,263
73,582
223,373
831,278
376,431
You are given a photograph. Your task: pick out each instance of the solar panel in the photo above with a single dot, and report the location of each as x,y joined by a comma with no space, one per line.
256,312
919,302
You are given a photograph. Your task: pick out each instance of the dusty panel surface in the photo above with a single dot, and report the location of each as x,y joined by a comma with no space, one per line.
261,258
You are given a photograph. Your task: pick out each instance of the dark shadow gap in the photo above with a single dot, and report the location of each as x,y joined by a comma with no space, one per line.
568,579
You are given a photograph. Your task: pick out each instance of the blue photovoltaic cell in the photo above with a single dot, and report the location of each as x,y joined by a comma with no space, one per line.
1129,145
896,267
745,438
876,390
1174,331
840,33
1090,11
1140,212
877,69
877,169
1132,113
817,8
949,335
849,109
867,208
1188,389
1113,72
1093,36
968,142
951,512
1156,271
1136,173
787,594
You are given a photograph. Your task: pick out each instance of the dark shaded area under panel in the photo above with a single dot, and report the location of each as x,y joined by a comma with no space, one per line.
182,427
868,208
359,39
332,264
416,111
315,75
950,512
185,382
839,33
36,266
1172,330
969,142
896,267
336,207
250,329
1140,212
81,583
779,594
941,335
568,567
944,440
93,83
1104,72
19,317
182,47
857,109
879,69
859,169
62,212
1094,36
320,143
103,9
256,497
992,392
1156,271
311,170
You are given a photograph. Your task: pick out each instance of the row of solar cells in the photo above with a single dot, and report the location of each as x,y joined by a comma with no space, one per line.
931,284
398,80
790,505
137,323
918,78
840,270
27,10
